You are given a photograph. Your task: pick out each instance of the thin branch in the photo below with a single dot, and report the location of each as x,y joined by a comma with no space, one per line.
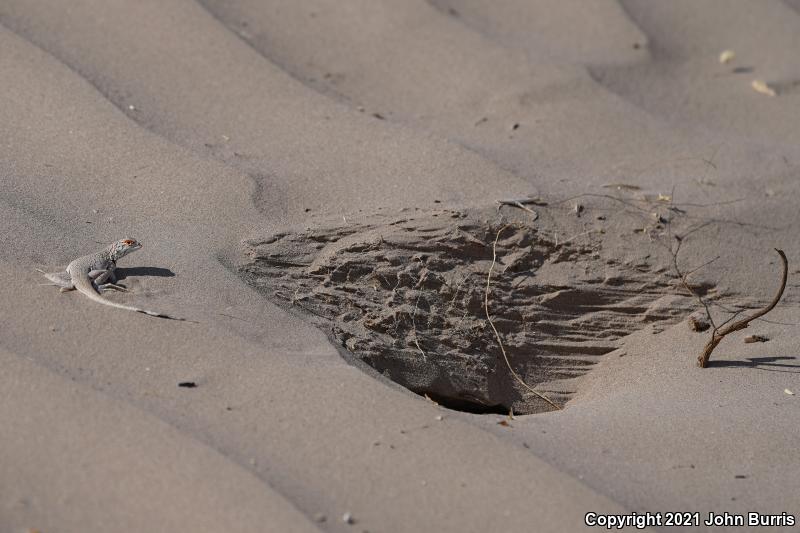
649,203
731,318
692,271
711,204
606,196
414,314
519,203
685,282
561,243
496,333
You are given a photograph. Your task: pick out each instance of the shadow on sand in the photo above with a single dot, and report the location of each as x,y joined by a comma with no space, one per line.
123,273
772,364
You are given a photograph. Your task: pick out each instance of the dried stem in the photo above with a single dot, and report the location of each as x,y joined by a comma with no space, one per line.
414,315
496,333
685,282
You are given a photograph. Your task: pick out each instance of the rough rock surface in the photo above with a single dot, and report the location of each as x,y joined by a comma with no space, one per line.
405,294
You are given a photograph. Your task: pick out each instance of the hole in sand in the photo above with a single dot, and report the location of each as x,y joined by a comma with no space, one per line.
405,294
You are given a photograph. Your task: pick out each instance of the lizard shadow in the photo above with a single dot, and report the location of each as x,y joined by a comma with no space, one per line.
770,364
123,273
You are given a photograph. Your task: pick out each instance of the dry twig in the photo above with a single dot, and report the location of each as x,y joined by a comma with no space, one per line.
496,333
522,203
414,314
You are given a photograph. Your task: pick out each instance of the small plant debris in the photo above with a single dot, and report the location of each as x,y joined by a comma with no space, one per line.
698,322
755,338
761,86
621,186
726,57
187,384
521,203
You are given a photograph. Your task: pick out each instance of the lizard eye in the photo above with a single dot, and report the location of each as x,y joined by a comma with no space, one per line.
128,242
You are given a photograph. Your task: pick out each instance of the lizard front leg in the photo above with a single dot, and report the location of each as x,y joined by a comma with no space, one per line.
103,280
112,272
99,276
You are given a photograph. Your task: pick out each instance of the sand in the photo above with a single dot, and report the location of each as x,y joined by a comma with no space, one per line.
197,126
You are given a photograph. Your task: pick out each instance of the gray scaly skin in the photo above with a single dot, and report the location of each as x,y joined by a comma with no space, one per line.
94,273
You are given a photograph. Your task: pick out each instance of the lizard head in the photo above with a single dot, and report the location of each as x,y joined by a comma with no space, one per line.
123,247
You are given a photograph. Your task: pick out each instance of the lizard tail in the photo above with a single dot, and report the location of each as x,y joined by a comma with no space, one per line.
60,279
84,286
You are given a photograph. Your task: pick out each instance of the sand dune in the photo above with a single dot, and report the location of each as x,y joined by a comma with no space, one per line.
197,126
260,120
82,479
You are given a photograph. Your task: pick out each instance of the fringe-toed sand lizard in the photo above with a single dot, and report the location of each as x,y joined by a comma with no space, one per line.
94,273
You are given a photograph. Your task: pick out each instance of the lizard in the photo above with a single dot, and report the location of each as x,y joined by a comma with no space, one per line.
94,273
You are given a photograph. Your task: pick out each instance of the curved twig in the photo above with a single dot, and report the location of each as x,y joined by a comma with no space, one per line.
719,334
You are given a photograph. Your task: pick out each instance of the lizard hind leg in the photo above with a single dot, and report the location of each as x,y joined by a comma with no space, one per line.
111,286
